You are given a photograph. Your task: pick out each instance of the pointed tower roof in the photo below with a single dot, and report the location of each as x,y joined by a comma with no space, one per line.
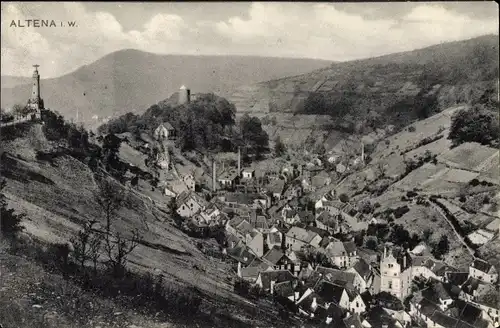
183,87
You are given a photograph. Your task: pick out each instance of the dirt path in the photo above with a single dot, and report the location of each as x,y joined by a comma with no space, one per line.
440,211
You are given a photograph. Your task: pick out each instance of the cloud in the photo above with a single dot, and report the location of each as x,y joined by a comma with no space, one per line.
321,30
60,50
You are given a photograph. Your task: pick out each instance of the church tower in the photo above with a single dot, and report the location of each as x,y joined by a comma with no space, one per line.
36,102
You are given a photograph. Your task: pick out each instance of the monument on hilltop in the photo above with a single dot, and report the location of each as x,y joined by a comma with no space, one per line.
35,102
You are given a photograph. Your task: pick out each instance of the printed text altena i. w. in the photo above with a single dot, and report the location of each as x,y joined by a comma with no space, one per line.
41,23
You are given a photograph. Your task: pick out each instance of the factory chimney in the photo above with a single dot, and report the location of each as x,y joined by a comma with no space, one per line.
214,187
239,161
362,152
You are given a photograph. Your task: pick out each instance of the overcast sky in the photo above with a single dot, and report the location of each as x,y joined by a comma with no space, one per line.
333,31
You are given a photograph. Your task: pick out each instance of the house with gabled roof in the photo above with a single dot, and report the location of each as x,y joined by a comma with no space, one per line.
471,313
259,222
297,238
365,274
489,303
276,188
473,288
456,278
328,222
345,298
255,242
439,293
268,279
174,188
483,271
239,227
251,272
306,217
290,216
342,254
249,200
294,190
241,253
190,203
279,260
430,314
164,131
378,317
422,267
248,173
228,178
339,277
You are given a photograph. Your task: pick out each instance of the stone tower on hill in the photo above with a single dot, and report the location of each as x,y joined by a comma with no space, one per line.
35,102
184,95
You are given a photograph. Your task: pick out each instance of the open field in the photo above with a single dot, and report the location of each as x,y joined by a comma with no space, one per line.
469,156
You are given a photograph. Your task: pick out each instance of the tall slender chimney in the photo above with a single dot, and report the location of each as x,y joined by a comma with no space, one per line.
214,172
362,152
385,252
404,262
239,161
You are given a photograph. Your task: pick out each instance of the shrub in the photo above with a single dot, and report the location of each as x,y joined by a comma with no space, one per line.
474,182
400,211
478,124
344,198
411,129
411,194
10,223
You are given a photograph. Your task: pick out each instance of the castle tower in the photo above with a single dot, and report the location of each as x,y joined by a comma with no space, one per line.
184,95
35,102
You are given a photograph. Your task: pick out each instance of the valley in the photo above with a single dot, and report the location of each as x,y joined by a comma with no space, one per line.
322,198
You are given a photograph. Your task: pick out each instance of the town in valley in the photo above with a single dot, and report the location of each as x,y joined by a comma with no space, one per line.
359,194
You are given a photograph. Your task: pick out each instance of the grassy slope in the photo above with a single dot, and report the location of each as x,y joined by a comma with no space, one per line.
57,196
32,297
131,80
429,179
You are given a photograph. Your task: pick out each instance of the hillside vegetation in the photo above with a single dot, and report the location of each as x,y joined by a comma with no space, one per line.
363,95
206,124
131,80
55,184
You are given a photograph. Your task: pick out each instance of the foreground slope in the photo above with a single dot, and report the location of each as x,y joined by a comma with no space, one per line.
57,194
132,80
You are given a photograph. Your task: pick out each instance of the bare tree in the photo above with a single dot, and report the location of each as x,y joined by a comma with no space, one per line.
118,251
110,199
81,243
94,249
381,169
20,110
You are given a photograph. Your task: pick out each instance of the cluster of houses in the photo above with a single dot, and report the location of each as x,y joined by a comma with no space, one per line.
307,259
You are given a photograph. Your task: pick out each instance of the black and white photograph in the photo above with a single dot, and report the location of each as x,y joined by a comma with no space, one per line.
171,164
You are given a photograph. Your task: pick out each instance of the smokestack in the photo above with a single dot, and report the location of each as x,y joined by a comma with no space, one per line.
404,262
362,152
239,161
214,188
385,252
